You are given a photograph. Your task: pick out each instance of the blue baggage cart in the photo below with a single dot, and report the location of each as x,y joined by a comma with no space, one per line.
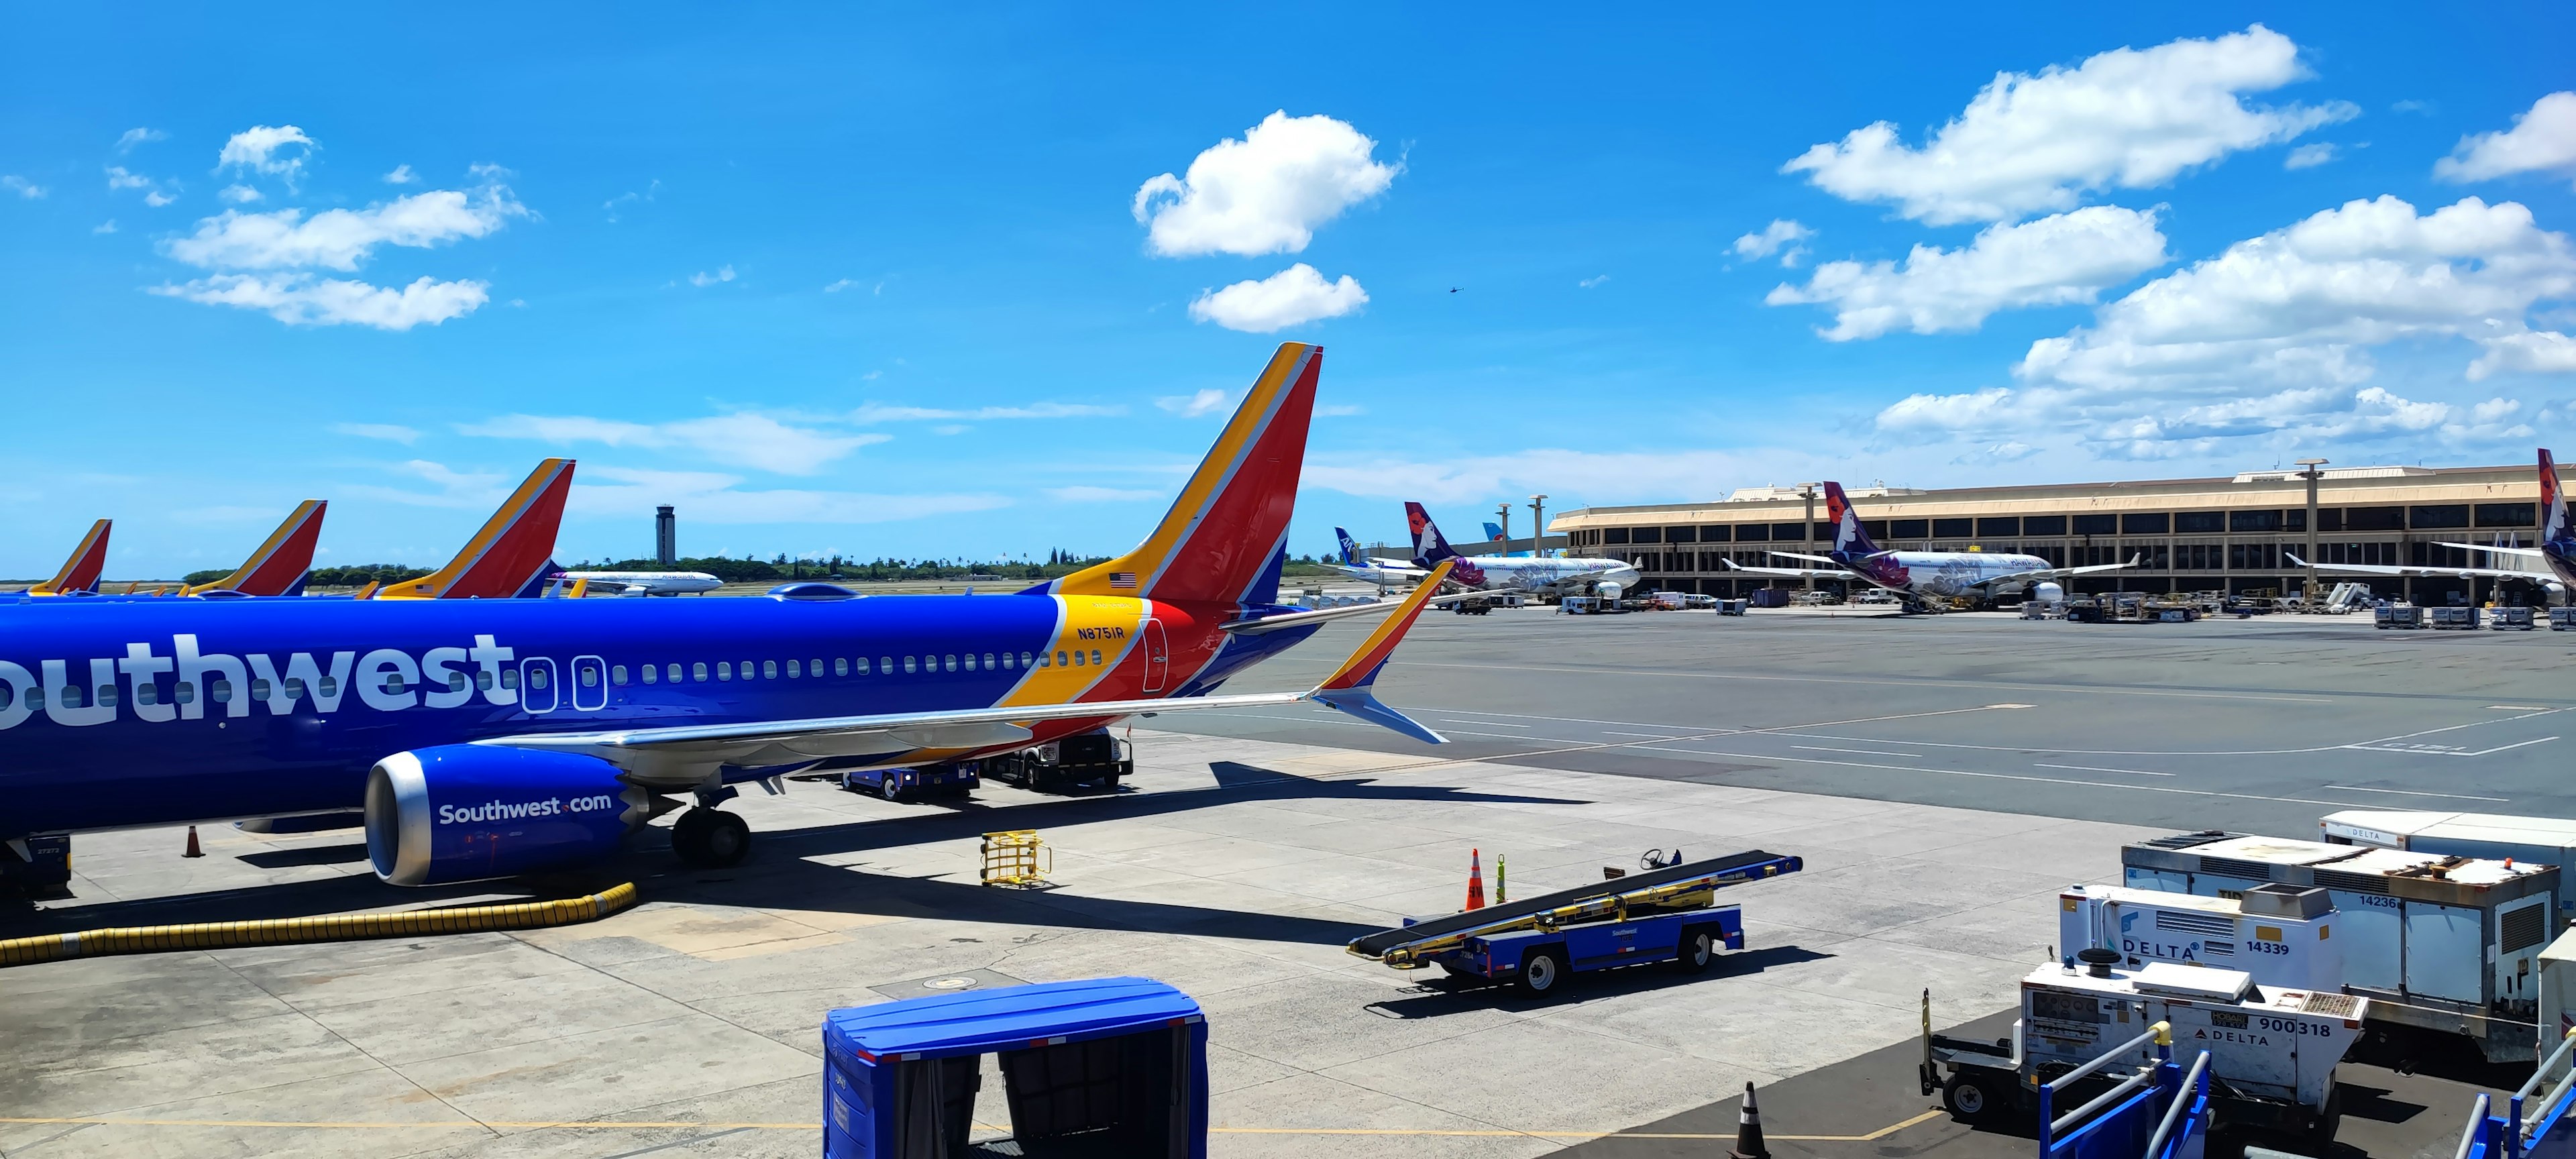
1109,1066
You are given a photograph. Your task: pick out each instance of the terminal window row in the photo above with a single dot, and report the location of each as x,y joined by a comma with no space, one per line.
2421,517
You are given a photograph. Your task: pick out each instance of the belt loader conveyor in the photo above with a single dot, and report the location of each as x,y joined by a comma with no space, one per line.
1646,917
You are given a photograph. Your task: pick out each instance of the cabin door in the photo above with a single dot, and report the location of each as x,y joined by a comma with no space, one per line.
1158,656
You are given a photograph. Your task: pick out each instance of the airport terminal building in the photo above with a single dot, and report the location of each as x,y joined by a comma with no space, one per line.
2234,534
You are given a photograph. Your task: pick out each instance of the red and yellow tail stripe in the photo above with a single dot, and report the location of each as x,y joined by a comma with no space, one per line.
281,560
80,572
1361,668
512,545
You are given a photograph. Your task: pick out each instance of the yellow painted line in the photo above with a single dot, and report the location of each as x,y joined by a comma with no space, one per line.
643,1125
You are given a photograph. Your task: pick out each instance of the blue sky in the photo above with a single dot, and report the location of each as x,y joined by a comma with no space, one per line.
910,283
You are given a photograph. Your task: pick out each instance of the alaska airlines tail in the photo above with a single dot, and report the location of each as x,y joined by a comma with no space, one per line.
1850,538
1224,538
80,572
2553,503
1350,548
1428,545
279,566
514,548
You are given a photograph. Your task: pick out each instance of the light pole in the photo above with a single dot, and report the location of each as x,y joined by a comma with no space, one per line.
1538,525
1807,491
1504,510
2309,470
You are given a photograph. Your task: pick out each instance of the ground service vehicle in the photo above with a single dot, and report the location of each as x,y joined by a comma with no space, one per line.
907,783
1662,915
1091,758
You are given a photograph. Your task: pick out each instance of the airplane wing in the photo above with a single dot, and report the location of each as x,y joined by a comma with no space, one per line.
686,756
1797,555
2520,552
1255,627
2419,572
1794,572
2057,572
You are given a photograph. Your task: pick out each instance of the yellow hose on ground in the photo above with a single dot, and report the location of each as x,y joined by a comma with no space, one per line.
526,915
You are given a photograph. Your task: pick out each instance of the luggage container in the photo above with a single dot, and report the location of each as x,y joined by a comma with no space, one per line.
2397,616
2562,619
2491,836
2462,619
1114,1066
2510,619
2444,943
2279,935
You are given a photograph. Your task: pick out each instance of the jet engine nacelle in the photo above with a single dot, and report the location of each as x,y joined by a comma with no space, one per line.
2047,593
469,812
1608,591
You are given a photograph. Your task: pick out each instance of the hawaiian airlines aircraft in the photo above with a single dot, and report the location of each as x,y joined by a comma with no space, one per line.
79,573
1920,574
2556,553
1498,573
486,738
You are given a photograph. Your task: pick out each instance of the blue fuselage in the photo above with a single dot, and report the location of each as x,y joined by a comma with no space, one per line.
147,712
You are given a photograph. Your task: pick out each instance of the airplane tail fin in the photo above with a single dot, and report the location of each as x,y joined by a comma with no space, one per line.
1850,538
514,548
1493,531
542,582
1350,548
1222,539
279,566
2553,503
80,572
1429,546
1352,687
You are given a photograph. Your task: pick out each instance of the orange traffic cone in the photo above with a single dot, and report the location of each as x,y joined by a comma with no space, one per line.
1748,1130
1475,879
193,851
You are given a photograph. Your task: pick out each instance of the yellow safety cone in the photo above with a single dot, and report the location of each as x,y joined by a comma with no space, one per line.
193,850
1475,879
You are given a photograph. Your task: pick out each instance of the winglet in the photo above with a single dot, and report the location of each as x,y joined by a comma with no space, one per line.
1351,687
80,572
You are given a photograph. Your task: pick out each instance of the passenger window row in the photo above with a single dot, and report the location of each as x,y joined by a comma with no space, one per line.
698,672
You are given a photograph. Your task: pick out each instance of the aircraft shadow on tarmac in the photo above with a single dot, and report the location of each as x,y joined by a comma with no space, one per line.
1440,995
349,854
780,874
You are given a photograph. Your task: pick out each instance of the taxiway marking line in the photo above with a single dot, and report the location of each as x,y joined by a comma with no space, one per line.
2445,750
1864,752
2098,769
2011,777
1669,675
2520,707
2412,793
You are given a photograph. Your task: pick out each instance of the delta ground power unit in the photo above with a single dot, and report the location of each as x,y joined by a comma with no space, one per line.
2488,836
2279,935
2447,945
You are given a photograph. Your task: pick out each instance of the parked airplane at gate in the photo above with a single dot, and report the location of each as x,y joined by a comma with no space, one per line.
1919,574
512,555
80,573
1382,572
2557,550
1499,573
282,561
486,738
643,583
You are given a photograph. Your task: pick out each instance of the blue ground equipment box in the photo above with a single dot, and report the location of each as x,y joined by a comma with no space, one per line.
1107,1066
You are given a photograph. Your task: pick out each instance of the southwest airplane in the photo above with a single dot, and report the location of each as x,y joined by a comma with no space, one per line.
79,574
487,738
512,555
1918,574
2557,550
277,568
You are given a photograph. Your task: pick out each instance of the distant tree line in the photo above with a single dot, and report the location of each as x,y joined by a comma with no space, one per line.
352,576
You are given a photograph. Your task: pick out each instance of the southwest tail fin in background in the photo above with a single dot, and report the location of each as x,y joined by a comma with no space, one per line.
80,572
279,566
1850,538
514,548
1223,537
2553,503
1428,545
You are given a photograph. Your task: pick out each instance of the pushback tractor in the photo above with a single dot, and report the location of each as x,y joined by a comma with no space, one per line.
1667,914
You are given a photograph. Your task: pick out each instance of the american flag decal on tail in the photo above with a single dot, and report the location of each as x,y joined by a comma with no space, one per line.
1122,579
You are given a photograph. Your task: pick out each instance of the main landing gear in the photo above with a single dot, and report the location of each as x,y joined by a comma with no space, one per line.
710,838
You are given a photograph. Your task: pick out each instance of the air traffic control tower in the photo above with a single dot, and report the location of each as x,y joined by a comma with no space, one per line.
666,536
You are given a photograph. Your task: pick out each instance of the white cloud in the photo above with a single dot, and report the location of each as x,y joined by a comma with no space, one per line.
703,279
748,440
877,412
402,175
2541,140
108,226
1265,193
343,239
126,141
305,300
119,178
839,286
2124,119
1291,297
1780,237
2532,352
390,432
1339,410
24,188
1089,494
2057,260
238,194
1978,410
2309,156
1592,281
615,204
708,497
269,150
1195,405
156,199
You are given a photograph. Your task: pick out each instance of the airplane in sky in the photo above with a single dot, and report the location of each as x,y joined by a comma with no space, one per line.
488,738
2556,553
1919,574
643,583
1501,573
79,574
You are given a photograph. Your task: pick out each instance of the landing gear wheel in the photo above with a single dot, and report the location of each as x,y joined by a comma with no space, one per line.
1699,948
890,787
1970,1096
710,838
1541,971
